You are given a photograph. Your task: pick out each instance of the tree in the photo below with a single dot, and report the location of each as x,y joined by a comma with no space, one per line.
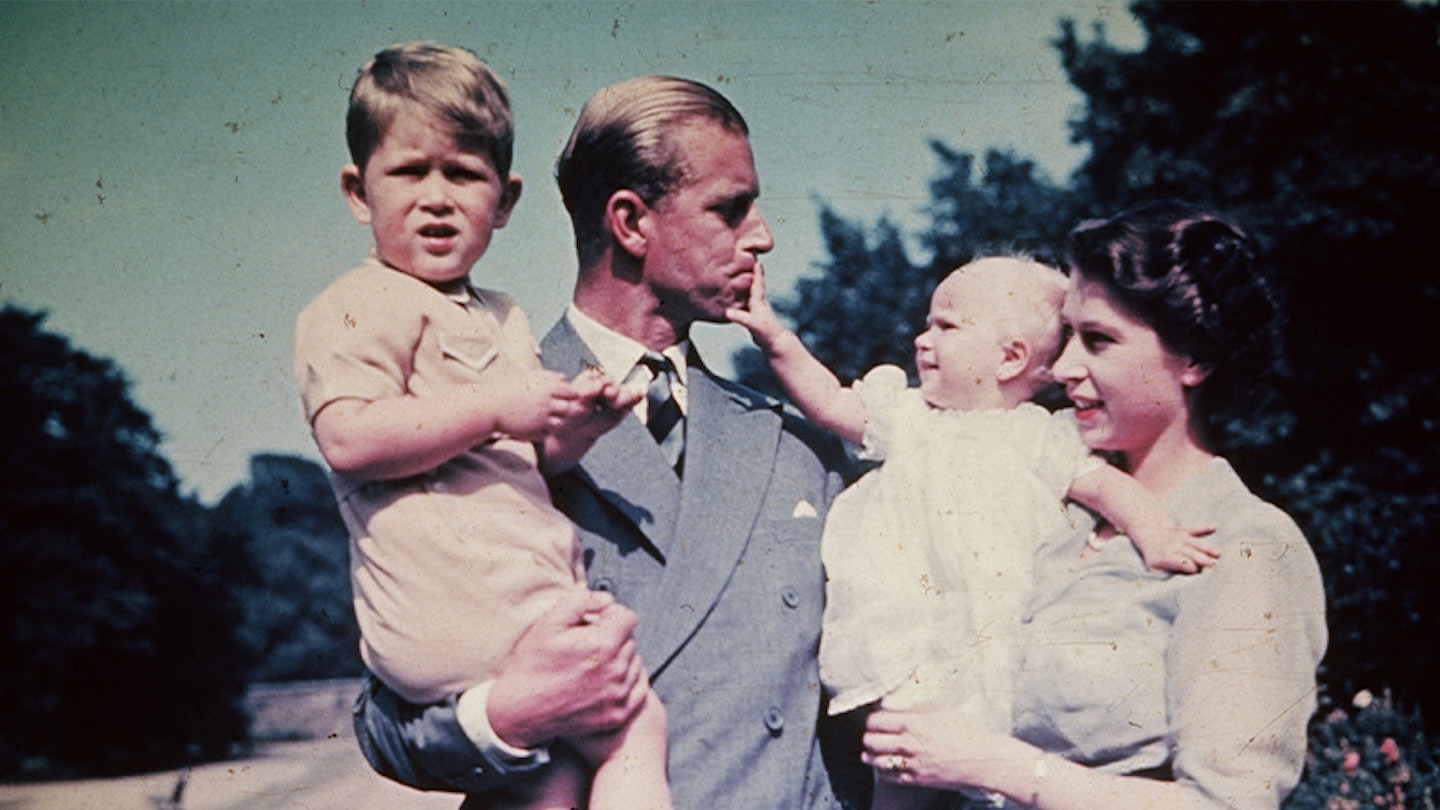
118,633
298,621
1315,124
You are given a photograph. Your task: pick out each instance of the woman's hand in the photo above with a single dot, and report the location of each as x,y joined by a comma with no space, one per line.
944,749
948,750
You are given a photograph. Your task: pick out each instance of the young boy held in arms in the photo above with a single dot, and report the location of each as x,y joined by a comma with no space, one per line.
427,399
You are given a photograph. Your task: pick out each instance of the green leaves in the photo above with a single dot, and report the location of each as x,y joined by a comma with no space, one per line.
118,630
1315,126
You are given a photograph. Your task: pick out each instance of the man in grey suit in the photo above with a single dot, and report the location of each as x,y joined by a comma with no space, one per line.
701,514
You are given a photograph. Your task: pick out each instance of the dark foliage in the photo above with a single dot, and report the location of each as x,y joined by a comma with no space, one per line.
1315,125
1368,753
118,626
298,622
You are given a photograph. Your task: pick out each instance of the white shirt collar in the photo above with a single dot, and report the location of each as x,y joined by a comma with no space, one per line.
617,354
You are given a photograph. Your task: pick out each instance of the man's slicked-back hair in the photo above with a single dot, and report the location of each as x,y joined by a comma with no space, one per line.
447,83
622,140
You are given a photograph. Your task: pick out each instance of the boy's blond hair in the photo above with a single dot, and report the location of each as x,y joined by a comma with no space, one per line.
448,83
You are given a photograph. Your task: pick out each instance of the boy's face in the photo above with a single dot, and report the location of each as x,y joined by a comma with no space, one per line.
431,205
959,353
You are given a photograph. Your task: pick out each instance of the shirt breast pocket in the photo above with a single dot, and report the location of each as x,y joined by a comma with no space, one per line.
469,353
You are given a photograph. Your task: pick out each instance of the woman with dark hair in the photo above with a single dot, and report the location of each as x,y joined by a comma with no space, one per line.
1134,688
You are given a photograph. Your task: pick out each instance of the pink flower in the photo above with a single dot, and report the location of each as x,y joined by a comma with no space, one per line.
1352,762
1390,750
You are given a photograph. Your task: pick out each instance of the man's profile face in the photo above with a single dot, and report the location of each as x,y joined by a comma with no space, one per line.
707,234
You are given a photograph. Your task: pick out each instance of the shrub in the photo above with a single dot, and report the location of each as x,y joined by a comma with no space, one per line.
1371,755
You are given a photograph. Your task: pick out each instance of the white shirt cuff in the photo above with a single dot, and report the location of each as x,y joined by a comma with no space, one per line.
472,712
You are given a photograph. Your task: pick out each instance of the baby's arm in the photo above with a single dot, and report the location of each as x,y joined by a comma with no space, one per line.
816,391
405,435
603,403
1134,511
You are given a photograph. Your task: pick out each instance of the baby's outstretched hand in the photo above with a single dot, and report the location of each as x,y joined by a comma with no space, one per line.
1175,549
757,316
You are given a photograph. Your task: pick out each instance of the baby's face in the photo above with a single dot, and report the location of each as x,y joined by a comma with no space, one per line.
959,352
431,205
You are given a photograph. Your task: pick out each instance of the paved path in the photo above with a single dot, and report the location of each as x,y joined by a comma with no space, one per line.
326,774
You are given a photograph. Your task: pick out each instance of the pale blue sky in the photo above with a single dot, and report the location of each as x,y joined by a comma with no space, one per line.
169,171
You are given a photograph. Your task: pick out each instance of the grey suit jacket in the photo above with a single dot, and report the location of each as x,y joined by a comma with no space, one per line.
724,573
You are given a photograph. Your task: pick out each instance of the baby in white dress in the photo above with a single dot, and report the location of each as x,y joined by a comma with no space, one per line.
928,557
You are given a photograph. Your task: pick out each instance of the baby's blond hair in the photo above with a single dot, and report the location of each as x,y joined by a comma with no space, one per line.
1024,297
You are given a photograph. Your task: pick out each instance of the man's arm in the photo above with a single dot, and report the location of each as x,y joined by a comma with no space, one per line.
425,747
573,673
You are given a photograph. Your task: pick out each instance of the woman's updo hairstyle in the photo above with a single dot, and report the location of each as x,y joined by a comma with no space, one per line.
1189,274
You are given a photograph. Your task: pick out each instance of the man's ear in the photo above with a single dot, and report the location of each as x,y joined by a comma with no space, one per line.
508,197
626,217
352,185
1014,360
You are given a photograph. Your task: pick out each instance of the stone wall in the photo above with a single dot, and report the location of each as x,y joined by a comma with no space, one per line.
304,710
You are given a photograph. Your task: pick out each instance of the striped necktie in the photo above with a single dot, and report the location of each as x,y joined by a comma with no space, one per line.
663,416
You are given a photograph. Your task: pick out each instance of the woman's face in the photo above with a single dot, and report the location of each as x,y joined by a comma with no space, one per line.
1128,389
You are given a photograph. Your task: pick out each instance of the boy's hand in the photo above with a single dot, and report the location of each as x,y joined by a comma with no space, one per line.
1176,550
602,403
597,390
535,404
757,316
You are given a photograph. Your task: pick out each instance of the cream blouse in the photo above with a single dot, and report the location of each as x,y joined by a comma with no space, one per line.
1212,674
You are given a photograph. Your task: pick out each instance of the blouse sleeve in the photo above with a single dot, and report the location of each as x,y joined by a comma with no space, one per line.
1241,664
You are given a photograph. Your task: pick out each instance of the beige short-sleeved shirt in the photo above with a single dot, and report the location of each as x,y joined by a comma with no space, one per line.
450,566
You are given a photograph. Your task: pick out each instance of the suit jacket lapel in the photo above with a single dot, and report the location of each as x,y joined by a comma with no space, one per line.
699,531
730,447
625,466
